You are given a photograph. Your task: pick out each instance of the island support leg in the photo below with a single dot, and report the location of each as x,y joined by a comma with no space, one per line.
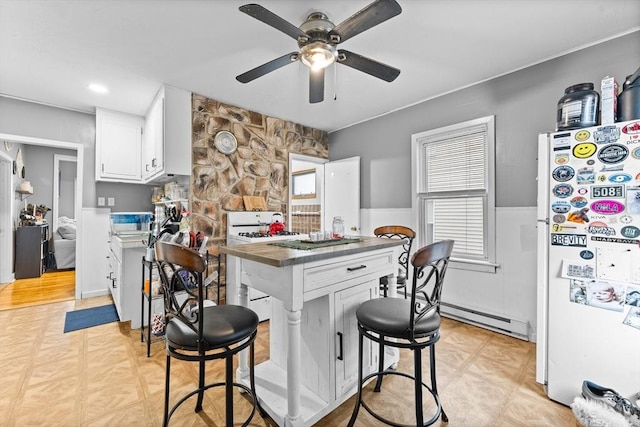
243,364
392,352
294,369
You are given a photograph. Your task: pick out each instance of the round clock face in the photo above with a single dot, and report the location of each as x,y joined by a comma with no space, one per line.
226,142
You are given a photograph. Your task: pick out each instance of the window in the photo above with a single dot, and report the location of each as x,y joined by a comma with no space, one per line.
304,184
453,182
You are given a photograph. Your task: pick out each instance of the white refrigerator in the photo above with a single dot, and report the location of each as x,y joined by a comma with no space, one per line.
588,294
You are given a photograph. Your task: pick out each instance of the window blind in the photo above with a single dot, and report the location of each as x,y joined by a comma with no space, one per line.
456,163
456,185
460,219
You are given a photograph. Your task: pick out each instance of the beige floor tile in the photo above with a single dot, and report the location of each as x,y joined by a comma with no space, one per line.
101,377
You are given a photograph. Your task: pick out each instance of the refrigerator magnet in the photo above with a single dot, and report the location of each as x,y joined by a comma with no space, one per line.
578,269
604,294
633,318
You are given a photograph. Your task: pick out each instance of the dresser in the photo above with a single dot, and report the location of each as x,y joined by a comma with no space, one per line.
31,248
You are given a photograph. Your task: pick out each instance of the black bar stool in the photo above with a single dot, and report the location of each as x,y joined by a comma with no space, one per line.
407,323
198,333
406,234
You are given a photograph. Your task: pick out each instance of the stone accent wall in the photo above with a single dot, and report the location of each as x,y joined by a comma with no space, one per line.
259,167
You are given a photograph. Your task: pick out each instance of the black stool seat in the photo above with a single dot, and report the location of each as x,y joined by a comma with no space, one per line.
224,325
390,317
407,323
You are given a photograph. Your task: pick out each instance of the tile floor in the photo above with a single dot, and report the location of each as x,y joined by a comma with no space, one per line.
101,377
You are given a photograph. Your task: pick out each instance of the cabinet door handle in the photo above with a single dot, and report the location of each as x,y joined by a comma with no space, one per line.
360,267
340,345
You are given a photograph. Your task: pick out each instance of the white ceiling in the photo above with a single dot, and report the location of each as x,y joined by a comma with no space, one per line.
50,50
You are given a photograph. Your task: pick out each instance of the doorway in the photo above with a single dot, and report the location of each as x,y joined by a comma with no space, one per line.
305,214
64,187
7,200
337,194
6,209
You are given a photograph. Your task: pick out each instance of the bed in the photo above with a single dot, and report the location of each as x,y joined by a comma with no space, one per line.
64,243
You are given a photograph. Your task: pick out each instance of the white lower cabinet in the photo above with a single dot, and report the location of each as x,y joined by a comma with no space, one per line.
125,264
346,351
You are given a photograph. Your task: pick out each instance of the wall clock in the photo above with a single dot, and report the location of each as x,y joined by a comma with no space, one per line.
226,142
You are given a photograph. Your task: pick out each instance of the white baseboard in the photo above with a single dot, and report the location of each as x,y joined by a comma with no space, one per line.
96,293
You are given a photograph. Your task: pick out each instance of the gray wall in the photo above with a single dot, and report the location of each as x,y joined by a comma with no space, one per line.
41,121
524,103
38,163
128,197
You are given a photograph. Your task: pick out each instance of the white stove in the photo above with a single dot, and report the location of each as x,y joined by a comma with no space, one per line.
251,227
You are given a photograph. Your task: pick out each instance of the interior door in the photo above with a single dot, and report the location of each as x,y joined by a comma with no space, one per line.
342,194
6,209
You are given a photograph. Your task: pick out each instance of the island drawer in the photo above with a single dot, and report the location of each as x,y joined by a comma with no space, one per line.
325,274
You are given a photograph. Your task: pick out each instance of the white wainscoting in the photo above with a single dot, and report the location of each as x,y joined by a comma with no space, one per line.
504,301
91,258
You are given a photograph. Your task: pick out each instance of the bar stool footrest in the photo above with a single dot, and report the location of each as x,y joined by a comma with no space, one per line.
242,387
429,422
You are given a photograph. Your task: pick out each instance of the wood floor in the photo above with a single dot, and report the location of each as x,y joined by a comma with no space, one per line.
101,377
51,287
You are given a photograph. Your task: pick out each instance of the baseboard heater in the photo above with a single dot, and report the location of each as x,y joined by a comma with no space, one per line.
503,325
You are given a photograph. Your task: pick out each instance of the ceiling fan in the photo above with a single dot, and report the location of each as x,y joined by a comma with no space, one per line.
318,40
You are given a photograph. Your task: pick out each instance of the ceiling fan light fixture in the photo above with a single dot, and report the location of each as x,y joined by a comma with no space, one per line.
318,55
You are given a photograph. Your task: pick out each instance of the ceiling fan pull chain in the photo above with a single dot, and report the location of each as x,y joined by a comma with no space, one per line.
335,80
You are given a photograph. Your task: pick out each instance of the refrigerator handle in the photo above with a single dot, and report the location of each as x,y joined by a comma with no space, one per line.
542,293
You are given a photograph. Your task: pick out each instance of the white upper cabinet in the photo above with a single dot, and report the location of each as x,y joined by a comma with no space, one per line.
148,149
153,139
118,146
168,135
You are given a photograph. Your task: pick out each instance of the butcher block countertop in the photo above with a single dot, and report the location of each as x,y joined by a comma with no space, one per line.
278,256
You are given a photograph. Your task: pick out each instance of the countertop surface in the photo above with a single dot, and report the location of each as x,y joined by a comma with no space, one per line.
278,256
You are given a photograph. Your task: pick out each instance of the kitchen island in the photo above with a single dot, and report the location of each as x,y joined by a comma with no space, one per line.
315,295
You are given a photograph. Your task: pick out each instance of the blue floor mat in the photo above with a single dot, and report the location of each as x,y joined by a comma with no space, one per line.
88,317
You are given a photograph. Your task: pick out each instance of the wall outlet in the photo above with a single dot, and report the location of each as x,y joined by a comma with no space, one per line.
111,201
101,201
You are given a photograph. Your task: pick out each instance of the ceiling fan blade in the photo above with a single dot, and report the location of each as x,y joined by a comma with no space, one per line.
369,66
316,85
372,15
267,68
270,18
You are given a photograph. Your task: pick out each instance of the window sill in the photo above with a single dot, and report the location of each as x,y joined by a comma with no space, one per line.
473,265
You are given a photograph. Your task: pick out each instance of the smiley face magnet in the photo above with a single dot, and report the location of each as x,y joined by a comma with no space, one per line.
584,150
